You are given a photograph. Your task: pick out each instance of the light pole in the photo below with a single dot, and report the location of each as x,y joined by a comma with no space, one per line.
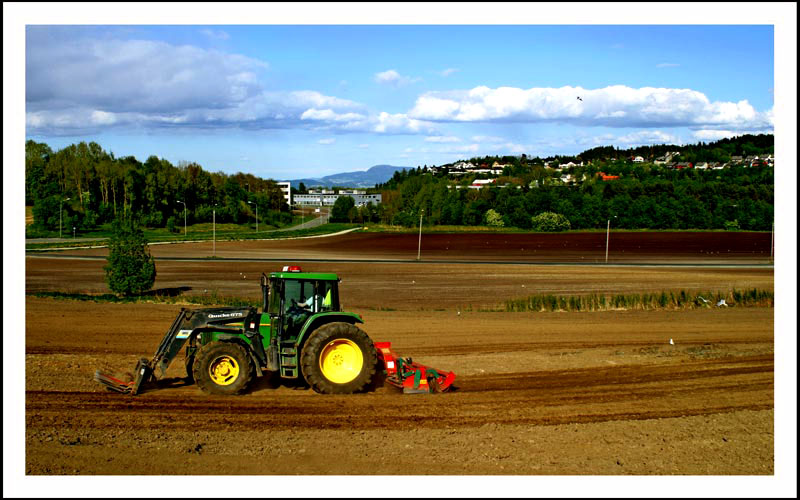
256,204
214,228
419,246
608,230
184,217
61,209
73,232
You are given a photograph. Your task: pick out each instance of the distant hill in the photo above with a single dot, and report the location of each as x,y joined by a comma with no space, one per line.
358,179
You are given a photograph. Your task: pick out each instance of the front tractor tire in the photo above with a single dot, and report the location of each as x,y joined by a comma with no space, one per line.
222,368
338,358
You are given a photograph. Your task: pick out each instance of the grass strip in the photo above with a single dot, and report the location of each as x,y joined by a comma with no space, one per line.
674,300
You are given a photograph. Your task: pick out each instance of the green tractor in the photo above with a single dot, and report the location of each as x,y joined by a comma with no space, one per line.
301,332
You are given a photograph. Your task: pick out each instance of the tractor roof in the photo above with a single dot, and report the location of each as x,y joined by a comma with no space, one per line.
294,275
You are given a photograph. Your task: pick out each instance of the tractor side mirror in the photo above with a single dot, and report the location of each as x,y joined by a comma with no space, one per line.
264,292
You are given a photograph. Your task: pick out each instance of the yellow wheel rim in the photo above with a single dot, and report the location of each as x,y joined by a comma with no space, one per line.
341,361
224,370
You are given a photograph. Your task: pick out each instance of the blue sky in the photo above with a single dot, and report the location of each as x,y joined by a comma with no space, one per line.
291,101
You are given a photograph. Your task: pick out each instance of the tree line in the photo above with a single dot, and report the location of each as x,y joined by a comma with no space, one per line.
84,186
645,196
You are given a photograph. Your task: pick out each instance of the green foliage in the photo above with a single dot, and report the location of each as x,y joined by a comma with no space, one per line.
341,209
101,187
494,219
681,299
732,225
550,222
131,269
172,226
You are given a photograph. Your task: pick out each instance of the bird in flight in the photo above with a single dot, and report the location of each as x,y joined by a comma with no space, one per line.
579,98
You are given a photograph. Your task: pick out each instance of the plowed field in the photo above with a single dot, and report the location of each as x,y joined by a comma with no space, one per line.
537,393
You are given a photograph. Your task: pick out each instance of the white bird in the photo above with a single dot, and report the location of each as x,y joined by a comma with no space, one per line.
458,313
704,300
671,342
721,303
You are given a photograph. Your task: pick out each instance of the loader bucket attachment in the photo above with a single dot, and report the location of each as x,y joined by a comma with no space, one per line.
412,377
142,374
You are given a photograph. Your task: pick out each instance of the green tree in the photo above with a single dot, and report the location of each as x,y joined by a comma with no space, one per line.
494,219
131,269
550,222
341,209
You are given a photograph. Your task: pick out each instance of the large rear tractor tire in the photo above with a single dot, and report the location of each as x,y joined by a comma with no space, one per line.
222,368
338,358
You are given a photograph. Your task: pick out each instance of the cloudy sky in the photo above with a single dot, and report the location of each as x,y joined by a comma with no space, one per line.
306,101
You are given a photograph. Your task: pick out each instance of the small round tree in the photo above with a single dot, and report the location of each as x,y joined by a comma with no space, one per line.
550,222
494,219
131,269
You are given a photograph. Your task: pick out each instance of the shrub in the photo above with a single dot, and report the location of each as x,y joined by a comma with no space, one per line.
131,269
494,219
550,222
171,226
732,225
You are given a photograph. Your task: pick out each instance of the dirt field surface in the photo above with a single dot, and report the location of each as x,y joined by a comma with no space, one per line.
588,393
624,247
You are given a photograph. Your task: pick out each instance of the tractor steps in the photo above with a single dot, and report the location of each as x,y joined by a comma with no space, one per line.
288,361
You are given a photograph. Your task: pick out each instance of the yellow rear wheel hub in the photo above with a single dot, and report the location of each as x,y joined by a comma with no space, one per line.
224,370
341,361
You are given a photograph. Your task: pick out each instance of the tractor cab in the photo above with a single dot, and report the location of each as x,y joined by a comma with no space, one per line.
291,297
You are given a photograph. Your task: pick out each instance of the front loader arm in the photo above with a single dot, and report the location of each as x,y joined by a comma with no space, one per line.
184,325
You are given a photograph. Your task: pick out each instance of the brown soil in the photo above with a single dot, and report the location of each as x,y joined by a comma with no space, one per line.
585,248
538,393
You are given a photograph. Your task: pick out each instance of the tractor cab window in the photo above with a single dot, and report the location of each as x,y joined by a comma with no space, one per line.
298,294
327,299
298,304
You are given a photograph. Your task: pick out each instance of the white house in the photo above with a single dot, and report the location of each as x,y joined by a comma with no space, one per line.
480,183
638,159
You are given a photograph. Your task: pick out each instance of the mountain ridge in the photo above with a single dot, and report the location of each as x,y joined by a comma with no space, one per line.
375,174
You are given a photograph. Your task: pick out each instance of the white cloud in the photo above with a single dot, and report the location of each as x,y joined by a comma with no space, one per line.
326,141
667,65
487,138
399,123
614,106
393,78
643,137
715,135
216,34
363,146
466,148
447,72
442,138
82,86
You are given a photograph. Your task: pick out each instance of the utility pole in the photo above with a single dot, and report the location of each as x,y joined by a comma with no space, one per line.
214,229
256,204
608,230
61,209
184,217
419,246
